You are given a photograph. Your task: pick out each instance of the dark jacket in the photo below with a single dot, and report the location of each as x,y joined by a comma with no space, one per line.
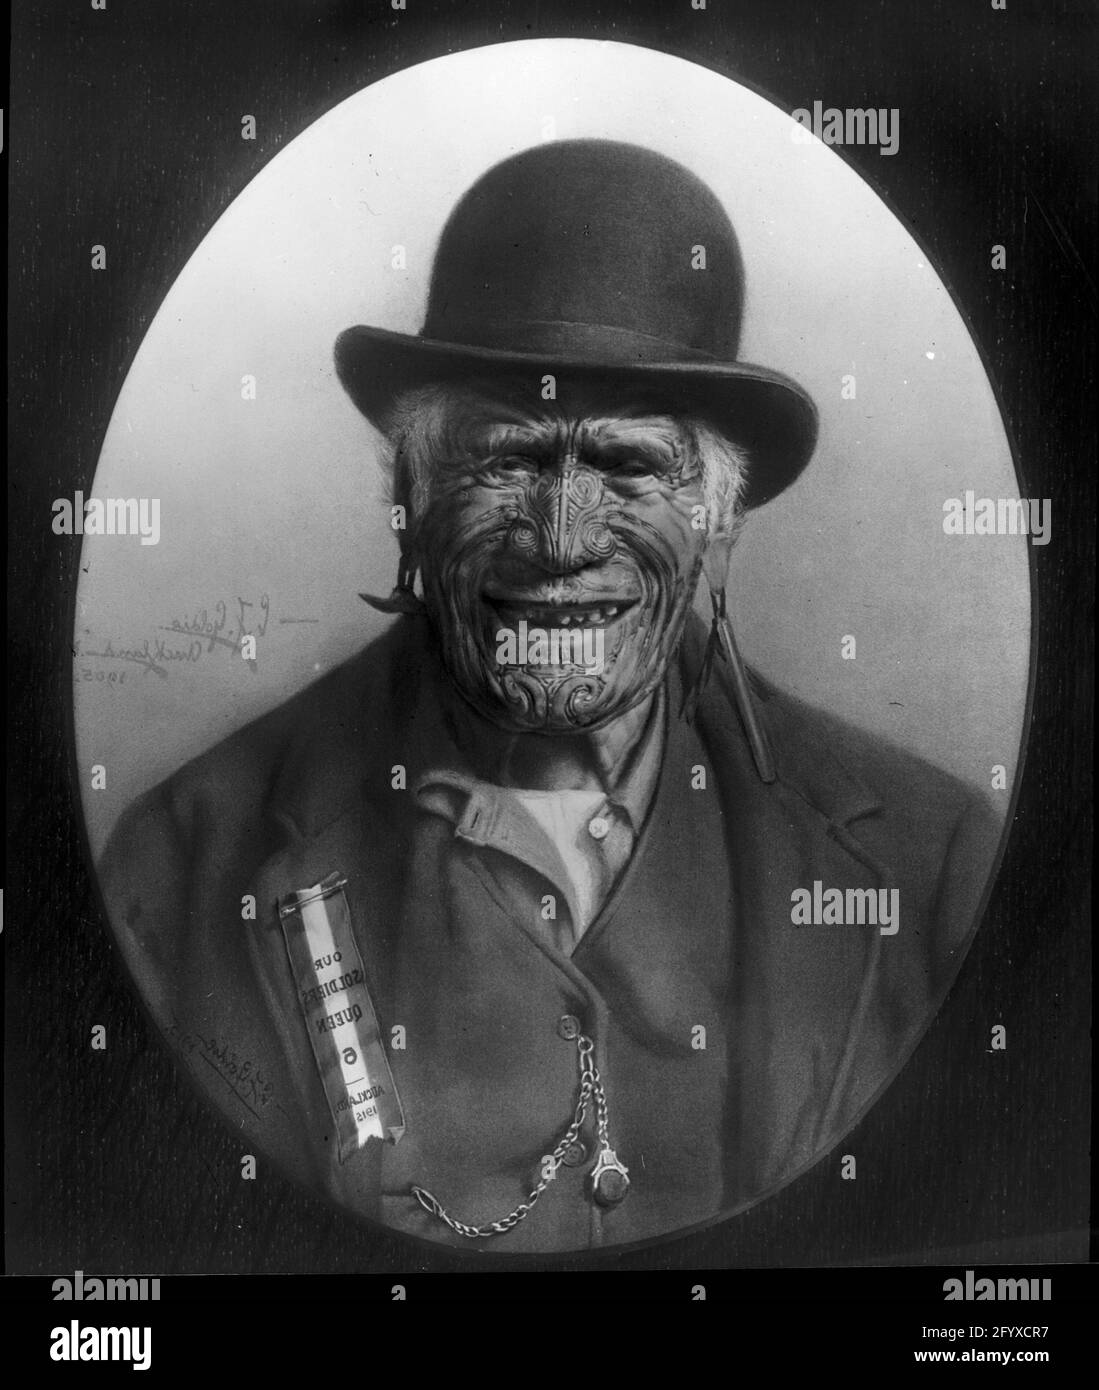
804,1025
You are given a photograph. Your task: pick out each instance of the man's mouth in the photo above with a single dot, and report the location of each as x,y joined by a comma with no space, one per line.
594,613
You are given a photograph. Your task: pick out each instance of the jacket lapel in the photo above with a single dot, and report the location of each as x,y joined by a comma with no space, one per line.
803,996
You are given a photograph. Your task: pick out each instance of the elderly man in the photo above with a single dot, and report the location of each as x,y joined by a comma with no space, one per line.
541,925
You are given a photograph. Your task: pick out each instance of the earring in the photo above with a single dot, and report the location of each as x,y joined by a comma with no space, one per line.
721,642
712,649
403,598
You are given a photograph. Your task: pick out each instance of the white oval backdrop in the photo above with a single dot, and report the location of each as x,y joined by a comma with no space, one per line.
276,502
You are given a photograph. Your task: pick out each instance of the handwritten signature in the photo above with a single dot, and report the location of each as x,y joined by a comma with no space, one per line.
194,636
243,1078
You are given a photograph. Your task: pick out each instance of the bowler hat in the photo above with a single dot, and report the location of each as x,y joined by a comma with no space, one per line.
590,257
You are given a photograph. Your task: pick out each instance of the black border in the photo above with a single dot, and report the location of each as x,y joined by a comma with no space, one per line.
977,161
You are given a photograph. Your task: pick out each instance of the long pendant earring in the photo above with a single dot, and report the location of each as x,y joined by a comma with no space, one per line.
721,642
712,649
402,598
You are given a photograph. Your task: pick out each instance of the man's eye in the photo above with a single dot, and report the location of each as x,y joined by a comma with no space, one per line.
513,463
631,469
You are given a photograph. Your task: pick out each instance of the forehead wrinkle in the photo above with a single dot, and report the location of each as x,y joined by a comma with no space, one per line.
656,437
496,426
490,424
535,435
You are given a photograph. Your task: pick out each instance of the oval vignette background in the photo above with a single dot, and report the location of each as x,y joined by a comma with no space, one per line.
273,514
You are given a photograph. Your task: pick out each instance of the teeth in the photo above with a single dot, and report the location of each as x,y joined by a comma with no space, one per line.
548,617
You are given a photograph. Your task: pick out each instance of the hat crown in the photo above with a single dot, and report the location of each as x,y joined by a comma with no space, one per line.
595,248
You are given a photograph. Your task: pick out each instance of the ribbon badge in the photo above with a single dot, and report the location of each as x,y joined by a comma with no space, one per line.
339,1015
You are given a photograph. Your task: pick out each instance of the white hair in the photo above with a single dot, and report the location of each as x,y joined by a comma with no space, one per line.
724,467
428,427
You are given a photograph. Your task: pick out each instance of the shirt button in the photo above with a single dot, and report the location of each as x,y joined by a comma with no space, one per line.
599,828
575,1154
568,1027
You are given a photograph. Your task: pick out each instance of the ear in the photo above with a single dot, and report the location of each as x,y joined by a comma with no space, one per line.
403,597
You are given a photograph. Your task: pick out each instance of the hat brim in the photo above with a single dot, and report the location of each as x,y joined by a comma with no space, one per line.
765,413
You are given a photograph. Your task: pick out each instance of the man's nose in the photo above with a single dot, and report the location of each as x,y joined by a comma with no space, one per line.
563,526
